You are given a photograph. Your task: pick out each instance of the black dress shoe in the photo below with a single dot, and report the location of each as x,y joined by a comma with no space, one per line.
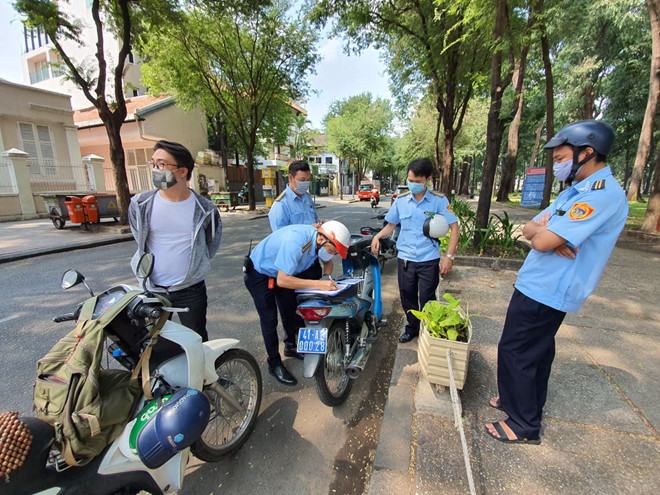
406,337
282,375
292,352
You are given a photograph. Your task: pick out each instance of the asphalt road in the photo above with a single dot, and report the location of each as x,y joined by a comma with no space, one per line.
299,445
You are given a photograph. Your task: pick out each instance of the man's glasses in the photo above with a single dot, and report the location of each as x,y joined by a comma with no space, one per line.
161,164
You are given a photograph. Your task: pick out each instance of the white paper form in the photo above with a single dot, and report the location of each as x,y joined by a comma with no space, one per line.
342,285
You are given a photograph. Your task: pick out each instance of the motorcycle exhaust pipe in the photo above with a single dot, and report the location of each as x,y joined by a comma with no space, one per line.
356,365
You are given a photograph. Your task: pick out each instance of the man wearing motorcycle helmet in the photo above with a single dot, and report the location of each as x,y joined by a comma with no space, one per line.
571,242
271,271
419,263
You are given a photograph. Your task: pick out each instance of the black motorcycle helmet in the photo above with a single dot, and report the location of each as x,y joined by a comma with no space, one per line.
596,134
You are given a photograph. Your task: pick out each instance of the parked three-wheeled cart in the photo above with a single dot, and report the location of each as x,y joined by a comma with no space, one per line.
85,210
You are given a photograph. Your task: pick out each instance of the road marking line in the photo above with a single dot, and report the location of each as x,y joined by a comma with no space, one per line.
5,320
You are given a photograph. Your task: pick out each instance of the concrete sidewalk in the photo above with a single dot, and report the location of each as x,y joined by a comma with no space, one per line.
602,419
30,238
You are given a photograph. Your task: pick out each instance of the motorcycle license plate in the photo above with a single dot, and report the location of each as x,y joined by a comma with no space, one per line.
313,340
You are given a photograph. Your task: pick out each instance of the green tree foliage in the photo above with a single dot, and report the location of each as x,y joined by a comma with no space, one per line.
301,137
101,84
432,47
244,60
358,130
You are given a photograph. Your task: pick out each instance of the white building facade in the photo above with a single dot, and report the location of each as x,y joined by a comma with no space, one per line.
43,67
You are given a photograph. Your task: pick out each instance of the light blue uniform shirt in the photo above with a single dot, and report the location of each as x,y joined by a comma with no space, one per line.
590,216
412,244
291,249
291,209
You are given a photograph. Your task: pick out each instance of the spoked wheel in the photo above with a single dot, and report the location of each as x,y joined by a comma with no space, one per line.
231,421
332,383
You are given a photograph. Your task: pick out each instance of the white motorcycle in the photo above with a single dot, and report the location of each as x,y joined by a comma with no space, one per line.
228,376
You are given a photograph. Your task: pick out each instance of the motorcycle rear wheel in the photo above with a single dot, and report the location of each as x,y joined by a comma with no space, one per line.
228,429
331,367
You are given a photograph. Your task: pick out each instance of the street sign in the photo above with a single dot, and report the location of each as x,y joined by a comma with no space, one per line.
532,191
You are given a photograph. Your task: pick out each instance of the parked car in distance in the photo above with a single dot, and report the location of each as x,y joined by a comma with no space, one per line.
369,189
399,190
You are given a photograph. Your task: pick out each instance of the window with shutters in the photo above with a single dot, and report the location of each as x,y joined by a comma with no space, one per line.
37,143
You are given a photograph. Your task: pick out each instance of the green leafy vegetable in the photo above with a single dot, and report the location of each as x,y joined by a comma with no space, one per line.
445,320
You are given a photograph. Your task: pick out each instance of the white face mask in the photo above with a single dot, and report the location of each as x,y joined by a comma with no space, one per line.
302,186
562,170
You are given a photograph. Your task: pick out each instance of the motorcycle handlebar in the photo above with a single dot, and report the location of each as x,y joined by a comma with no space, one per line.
148,311
68,316
65,317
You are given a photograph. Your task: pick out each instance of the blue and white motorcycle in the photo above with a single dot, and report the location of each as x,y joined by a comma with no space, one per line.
342,326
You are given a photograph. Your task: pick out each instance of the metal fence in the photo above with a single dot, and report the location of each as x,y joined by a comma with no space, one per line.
50,176
139,178
7,178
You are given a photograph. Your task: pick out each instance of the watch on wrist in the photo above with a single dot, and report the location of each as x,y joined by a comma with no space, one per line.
450,256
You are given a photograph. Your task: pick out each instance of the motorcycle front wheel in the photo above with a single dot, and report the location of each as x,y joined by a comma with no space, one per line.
332,383
229,428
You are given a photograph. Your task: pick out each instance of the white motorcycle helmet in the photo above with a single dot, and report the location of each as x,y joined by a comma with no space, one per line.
435,227
337,233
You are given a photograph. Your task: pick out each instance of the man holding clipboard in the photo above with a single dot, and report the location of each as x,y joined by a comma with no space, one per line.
273,266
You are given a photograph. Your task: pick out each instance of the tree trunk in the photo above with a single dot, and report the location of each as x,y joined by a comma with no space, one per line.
510,162
224,153
250,166
495,124
549,108
119,170
537,145
341,166
652,218
648,181
439,171
626,171
465,178
588,106
447,162
646,135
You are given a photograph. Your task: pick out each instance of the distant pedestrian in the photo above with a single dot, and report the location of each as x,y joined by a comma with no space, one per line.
571,241
181,229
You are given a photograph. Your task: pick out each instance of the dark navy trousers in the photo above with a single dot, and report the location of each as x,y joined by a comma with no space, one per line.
268,301
194,298
524,360
418,282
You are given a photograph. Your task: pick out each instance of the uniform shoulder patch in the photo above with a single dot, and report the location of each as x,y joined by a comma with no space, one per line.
403,194
307,246
581,211
439,194
281,196
598,185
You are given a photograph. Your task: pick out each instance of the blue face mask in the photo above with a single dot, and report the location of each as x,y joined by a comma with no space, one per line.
562,170
302,186
416,187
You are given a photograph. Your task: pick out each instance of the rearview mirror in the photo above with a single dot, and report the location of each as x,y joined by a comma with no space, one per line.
145,266
71,278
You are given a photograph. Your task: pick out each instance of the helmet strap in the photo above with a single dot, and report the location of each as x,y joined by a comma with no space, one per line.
578,164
